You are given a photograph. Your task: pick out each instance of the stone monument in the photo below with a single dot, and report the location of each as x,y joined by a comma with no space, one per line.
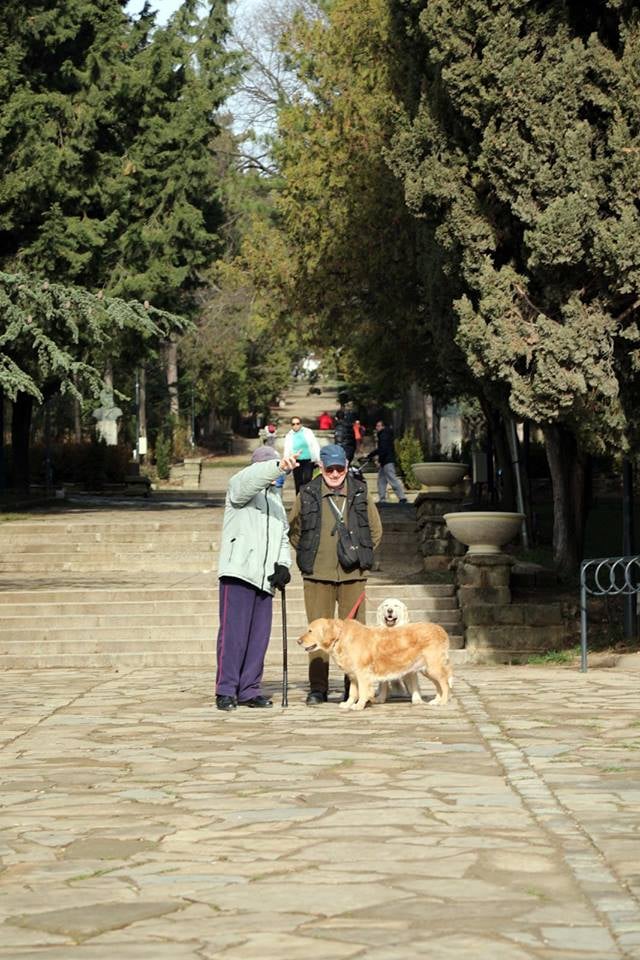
106,417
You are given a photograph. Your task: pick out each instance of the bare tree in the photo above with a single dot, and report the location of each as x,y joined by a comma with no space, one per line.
267,84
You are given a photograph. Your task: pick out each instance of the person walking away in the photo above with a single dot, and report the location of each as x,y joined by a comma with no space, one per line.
254,561
385,451
344,435
301,443
333,501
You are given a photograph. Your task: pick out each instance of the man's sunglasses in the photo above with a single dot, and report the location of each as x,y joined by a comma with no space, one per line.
334,469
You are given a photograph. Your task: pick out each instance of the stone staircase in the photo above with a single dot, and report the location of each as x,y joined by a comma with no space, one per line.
124,583
122,586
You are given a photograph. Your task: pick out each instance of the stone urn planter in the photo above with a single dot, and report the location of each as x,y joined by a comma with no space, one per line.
484,532
439,476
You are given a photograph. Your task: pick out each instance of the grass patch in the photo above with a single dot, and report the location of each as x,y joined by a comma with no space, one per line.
553,656
11,517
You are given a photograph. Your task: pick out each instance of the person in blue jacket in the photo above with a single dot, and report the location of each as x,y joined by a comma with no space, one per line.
254,562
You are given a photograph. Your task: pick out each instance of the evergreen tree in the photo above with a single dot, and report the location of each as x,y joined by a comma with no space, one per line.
522,164
107,179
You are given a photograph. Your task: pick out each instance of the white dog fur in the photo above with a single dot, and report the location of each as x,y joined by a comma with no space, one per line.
394,613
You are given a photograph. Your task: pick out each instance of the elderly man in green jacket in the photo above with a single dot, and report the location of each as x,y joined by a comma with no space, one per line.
254,562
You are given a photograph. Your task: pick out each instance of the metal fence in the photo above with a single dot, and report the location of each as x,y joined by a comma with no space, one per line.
606,577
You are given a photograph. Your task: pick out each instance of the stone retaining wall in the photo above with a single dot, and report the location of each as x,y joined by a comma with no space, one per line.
512,633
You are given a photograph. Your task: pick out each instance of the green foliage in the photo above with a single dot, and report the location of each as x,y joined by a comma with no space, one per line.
163,456
106,127
53,331
338,257
552,656
522,164
408,452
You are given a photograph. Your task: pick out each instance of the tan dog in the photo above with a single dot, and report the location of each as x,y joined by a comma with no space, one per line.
394,613
371,655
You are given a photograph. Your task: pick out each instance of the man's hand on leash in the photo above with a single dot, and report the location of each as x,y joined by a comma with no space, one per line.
280,576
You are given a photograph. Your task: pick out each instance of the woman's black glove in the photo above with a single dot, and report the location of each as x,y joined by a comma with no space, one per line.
280,576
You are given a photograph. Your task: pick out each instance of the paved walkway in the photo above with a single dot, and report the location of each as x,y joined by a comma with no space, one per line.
140,824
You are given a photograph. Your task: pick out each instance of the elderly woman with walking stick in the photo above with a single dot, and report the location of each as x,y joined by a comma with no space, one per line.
254,562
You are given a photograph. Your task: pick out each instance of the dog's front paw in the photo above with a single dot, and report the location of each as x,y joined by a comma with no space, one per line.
346,704
416,700
360,705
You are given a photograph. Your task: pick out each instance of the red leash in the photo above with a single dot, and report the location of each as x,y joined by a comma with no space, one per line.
354,609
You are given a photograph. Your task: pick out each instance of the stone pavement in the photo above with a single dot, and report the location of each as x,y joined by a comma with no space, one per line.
138,823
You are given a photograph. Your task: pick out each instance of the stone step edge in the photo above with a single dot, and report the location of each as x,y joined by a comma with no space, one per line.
70,661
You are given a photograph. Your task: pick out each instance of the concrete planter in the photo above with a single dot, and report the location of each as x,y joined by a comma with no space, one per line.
439,477
484,532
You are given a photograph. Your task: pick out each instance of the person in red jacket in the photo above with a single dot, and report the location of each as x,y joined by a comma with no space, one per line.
325,421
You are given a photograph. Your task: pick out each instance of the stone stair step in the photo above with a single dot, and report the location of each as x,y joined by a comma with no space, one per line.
115,549
126,564
121,661
99,595
159,609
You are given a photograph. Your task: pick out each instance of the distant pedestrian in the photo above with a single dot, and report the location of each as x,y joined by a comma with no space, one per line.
325,421
344,435
385,451
301,442
269,434
254,561
358,432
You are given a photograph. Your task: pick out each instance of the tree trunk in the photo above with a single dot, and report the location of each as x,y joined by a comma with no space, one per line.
20,440
503,479
171,359
77,420
3,480
142,401
567,465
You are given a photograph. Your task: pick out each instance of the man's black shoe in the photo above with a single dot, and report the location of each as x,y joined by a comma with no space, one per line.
225,703
315,698
258,701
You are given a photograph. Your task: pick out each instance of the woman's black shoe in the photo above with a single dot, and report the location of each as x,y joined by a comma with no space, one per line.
258,701
225,703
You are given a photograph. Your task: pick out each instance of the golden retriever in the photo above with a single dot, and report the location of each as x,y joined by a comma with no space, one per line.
370,655
394,613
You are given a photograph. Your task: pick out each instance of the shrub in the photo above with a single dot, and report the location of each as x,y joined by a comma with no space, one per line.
163,456
408,452
91,464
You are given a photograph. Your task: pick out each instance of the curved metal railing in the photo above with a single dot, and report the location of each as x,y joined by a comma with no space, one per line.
605,577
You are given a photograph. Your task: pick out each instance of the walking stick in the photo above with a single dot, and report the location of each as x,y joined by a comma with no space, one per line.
285,676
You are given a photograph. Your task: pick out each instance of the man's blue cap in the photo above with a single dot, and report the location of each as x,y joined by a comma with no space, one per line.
333,455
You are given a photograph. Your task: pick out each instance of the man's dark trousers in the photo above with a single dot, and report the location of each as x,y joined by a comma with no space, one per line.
303,473
243,638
